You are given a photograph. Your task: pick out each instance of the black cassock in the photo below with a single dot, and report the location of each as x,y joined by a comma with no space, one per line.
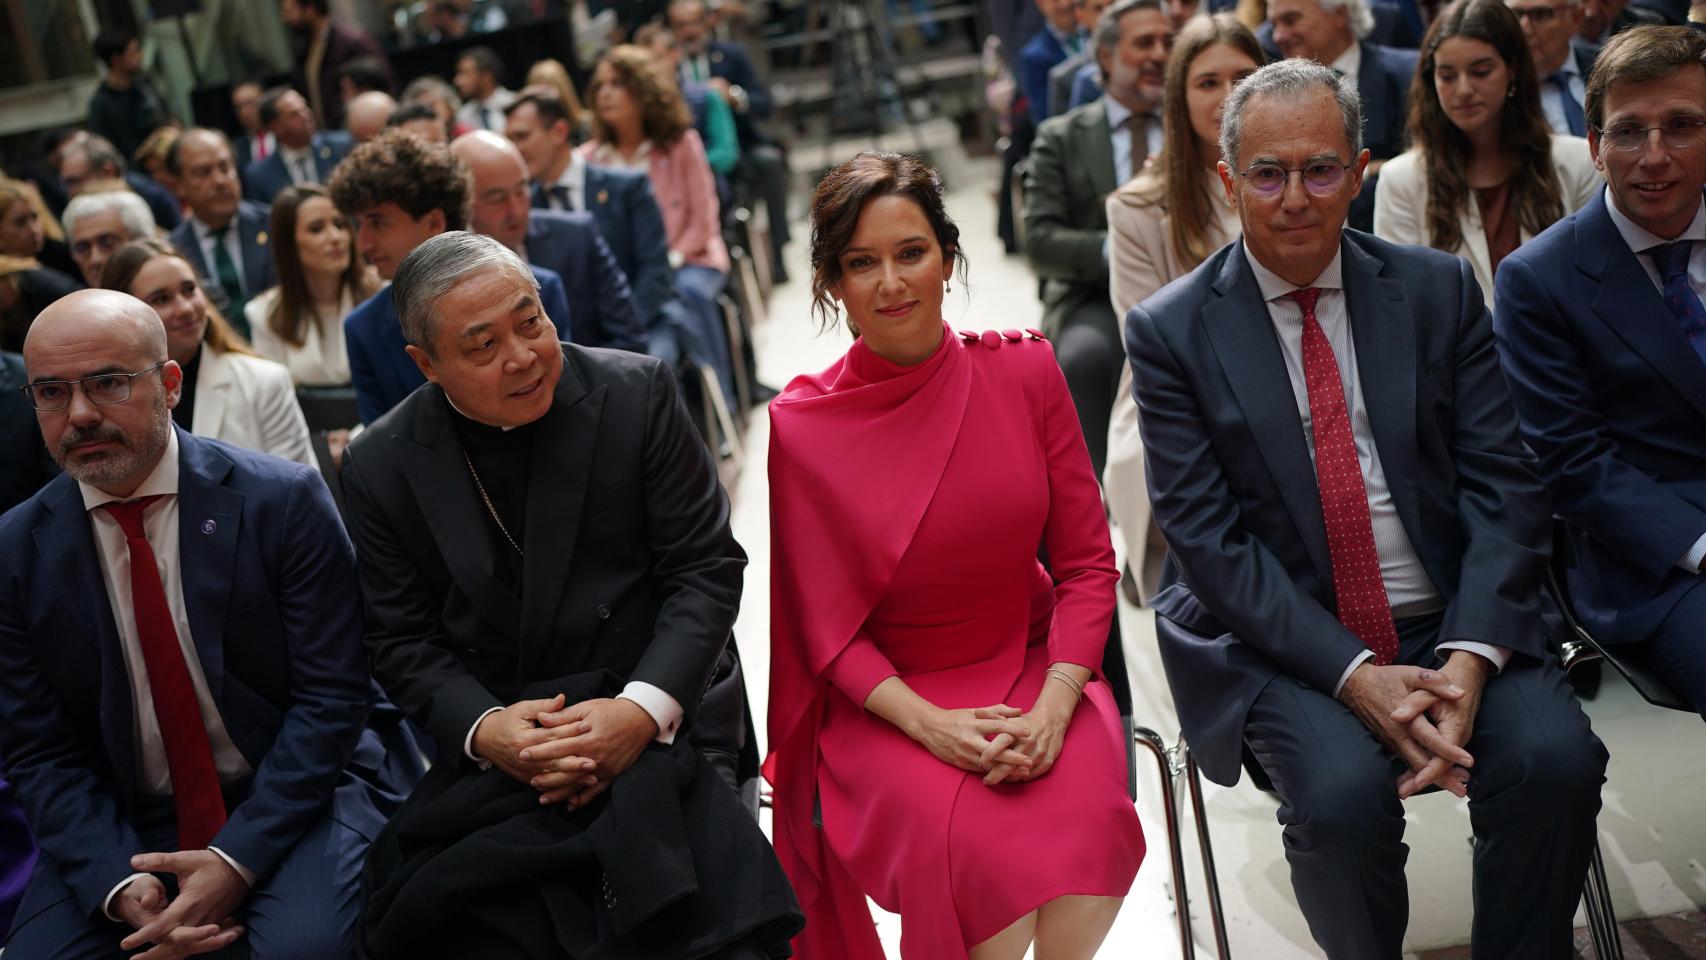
630,573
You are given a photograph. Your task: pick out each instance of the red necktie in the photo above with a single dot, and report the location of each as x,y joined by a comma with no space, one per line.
261,150
1361,593
189,757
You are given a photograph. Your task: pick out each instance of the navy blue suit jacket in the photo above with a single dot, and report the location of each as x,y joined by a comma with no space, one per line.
270,589
1234,490
1039,55
631,223
168,212
27,467
601,305
264,178
1613,402
258,270
1395,25
381,370
729,61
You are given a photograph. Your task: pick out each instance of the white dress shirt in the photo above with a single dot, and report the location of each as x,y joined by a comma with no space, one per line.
573,178
160,525
1409,589
487,114
1349,63
1642,241
1121,135
205,236
299,164
1552,99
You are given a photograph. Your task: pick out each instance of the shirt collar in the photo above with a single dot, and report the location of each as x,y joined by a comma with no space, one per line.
1274,286
162,481
1118,112
1569,67
1640,239
1062,37
205,233
1349,63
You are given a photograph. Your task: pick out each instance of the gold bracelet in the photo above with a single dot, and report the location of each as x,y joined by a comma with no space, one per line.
1066,678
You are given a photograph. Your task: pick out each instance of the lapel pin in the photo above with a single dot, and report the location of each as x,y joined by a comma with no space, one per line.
325,152
716,56
604,196
208,526
261,239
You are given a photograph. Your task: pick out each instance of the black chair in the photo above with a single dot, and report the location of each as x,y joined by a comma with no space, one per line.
328,408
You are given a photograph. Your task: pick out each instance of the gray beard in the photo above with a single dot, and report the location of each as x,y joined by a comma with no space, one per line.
110,468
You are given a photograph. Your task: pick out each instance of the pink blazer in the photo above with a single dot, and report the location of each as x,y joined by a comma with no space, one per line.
682,182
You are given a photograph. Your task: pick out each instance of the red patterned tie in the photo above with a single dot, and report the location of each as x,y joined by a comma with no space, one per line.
189,757
1361,593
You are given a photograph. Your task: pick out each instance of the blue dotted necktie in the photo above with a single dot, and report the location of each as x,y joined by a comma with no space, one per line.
1572,110
1684,303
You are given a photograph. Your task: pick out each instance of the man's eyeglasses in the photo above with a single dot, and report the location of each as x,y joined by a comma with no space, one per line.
1678,133
48,396
1322,178
1539,15
106,243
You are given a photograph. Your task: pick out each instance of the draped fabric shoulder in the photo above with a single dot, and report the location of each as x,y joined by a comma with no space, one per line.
845,453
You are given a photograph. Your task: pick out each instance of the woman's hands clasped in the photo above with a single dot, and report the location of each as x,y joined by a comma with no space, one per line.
964,738
1046,725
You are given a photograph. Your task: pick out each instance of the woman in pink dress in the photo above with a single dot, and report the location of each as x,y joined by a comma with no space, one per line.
940,739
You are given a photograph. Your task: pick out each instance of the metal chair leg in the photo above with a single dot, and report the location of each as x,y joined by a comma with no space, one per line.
1152,741
1211,878
1602,919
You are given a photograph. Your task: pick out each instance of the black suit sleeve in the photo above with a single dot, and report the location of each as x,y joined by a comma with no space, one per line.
410,649
697,558
1232,573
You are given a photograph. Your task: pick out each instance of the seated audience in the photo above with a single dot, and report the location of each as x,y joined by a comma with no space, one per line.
1161,224
364,74
322,46
1335,33
225,237
561,690
1063,76
1356,603
321,278
1485,173
24,221
1562,60
1604,19
253,141
601,306
229,394
479,79
640,123
26,289
712,118
86,157
368,113
1078,159
1603,338
552,74
400,190
1397,24
420,120
1058,40
150,158
189,802
124,108
902,716
99,223
304,155
444,101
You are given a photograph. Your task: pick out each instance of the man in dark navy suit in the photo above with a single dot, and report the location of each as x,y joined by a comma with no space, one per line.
601,307
1359,543
183,690
400,191
224,237
304,153
1603,337
87,157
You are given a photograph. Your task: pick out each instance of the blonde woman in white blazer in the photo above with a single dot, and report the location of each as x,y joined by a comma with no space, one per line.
1160,226
234,396
1475,113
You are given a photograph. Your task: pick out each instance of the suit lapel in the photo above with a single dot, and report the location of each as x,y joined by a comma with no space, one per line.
1629,304
1095,144
438,476
257,258
209,515
1241,331
556,491
1383,328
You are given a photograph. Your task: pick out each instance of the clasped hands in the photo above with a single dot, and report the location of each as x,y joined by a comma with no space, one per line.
1004,743
570,754
1423,716
200,919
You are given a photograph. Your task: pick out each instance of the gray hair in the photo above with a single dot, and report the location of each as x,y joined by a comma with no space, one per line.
1107,34
1361,17
1292,79
132,211
428,86
432,269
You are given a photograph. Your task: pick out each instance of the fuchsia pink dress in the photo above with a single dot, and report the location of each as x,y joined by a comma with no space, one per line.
908,506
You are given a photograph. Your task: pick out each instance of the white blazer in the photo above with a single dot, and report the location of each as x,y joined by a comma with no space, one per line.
251,403
321,361
1401,203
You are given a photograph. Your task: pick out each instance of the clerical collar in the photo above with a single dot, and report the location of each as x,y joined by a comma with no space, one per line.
477,425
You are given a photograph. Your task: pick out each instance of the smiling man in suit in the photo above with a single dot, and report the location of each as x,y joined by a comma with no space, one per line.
551,584
1603,336
1359,543
224,237
182,687
303,153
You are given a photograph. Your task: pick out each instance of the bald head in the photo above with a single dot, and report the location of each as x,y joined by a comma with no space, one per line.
367,113
502,192
98,316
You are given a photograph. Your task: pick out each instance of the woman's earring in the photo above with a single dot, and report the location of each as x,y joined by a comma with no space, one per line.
948,286
1510,92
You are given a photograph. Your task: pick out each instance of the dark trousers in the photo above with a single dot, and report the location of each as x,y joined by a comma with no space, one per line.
1533,798
304,910
1677,652
1088,348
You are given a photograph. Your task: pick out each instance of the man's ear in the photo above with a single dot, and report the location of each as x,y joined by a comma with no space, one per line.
423,361
172,379
1229,182
434,220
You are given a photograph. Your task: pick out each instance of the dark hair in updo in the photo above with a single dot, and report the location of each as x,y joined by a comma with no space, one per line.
840,198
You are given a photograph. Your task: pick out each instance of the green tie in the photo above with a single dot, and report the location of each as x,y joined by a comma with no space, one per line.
228,281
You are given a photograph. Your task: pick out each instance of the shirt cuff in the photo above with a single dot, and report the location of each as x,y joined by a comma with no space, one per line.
242,871
654,700
1692,559
1357,662
107,904
1496,655
468,741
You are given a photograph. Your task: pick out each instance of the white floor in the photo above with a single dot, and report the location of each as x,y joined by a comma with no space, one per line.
1651,830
